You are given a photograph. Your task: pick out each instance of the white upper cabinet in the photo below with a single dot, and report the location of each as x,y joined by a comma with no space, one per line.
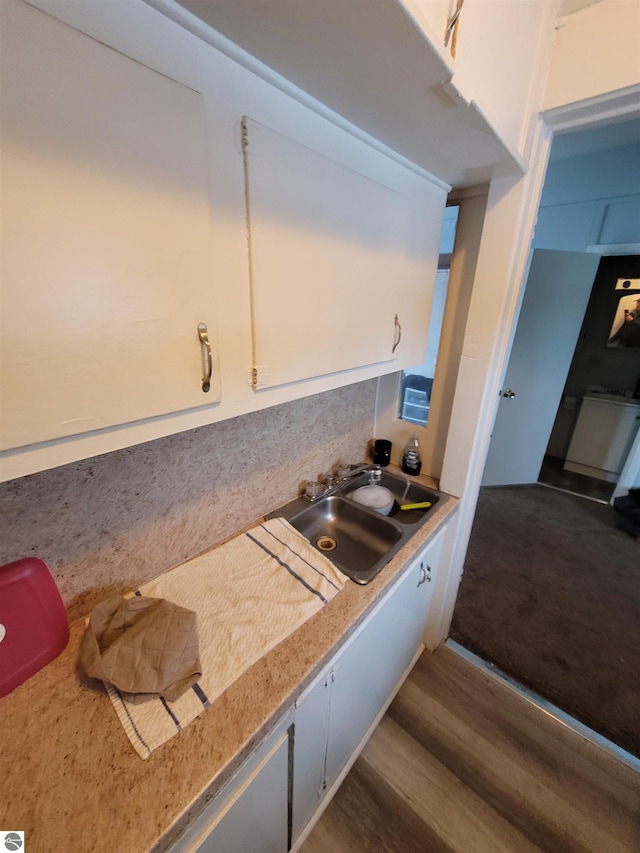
105,238
439,20
383,66
497,53
342,265
502,51
134,213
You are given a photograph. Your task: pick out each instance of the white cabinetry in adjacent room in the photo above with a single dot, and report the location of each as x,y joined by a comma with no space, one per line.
337,712
606,428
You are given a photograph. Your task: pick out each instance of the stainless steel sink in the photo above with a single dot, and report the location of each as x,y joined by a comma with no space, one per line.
353,538
360,541
405,491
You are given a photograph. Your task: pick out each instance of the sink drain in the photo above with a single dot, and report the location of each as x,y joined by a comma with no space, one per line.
326,543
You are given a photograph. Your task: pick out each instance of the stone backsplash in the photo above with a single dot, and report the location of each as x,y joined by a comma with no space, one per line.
110,523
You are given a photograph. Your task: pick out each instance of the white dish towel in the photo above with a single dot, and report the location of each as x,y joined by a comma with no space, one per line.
249,595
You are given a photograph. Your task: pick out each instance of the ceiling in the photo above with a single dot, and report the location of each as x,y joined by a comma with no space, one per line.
600,138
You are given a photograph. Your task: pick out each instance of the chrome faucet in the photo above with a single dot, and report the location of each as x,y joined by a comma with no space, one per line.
331,484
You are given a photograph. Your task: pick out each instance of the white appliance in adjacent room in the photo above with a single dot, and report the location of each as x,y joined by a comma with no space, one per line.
606,428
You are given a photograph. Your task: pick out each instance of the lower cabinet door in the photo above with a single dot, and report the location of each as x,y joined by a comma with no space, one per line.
252,813
367,673
311,729
257,819
335,712
268,803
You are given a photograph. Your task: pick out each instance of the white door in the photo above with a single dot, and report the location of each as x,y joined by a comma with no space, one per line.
555,300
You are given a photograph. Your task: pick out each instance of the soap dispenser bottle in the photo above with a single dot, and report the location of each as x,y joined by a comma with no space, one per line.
411,462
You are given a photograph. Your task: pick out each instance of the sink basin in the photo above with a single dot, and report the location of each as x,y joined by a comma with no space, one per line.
397,485
354,539
358,540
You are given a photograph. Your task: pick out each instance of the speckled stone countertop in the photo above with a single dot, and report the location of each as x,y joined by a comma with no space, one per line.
72,779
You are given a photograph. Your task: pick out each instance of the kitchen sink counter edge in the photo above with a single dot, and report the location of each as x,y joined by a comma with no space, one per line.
72,776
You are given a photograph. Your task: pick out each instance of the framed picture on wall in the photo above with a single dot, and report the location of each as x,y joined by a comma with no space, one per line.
625,329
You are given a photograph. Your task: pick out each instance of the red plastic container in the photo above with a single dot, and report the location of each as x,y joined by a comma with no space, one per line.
33,621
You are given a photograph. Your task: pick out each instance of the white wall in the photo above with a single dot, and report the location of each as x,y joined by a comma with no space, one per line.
592,164
595,52
592,196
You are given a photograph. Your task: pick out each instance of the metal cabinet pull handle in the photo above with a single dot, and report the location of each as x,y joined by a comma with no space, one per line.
425,574
451,23
396,323
207,357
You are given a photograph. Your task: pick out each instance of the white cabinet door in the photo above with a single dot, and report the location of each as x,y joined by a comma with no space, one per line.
311,730
603,437
257,819
105,236
252,812
342,264
432,18
334,714
498,51
370,668
493,50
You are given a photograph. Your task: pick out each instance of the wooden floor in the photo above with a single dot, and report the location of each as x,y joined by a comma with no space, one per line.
462,764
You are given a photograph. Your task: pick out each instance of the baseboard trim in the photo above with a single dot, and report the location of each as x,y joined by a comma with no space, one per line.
575,494
552,710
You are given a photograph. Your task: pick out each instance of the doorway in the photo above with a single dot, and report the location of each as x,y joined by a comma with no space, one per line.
596,420
520,568
568,416
588,220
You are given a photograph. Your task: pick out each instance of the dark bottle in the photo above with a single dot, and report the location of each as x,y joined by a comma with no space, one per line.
411,462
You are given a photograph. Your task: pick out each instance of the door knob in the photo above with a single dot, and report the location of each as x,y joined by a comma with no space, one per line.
508,393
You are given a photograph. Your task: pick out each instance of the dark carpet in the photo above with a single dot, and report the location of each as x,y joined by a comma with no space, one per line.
551,595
